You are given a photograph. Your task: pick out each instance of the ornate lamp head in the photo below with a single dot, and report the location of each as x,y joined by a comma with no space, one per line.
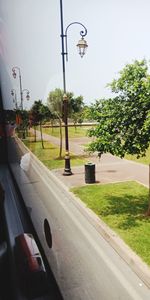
82,46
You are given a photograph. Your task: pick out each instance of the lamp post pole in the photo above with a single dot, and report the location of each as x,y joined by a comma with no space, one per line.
82,45
20,83
21,92
67,169
62,45
14,95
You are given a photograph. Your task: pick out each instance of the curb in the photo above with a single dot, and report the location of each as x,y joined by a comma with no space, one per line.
124,251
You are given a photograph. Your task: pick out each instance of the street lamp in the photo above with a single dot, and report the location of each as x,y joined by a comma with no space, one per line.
20,83
82,46
14,95
27,94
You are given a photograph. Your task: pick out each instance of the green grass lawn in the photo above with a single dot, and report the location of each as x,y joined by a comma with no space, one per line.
50,155
73,133
143,160
122,207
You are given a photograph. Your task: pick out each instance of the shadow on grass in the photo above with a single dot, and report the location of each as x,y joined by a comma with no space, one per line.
58,158
37,143
129,209
48,148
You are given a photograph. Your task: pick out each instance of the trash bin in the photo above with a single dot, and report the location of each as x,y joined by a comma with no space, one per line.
21,134
89,172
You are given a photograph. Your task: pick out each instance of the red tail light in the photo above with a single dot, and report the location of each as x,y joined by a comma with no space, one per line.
31,270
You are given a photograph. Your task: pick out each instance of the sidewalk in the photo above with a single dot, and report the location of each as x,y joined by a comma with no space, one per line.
108,169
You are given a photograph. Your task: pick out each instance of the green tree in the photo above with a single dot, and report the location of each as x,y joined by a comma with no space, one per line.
55,103
25,122
123,121
39,114
76,106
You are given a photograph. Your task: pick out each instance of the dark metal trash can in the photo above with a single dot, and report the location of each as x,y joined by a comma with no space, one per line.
21,134
89,173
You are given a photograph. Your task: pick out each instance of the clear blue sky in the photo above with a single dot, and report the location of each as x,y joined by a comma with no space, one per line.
118,33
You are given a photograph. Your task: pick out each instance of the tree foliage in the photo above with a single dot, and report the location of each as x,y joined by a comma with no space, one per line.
39,114
55,103
124,121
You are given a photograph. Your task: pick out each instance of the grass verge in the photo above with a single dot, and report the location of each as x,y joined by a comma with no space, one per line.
72,132
50,155
143,160
122,207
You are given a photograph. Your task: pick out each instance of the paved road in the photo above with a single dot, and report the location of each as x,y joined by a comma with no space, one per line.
76,145
108,169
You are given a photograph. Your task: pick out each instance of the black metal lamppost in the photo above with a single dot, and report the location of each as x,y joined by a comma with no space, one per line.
14,95
20,85
27,94
82,46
